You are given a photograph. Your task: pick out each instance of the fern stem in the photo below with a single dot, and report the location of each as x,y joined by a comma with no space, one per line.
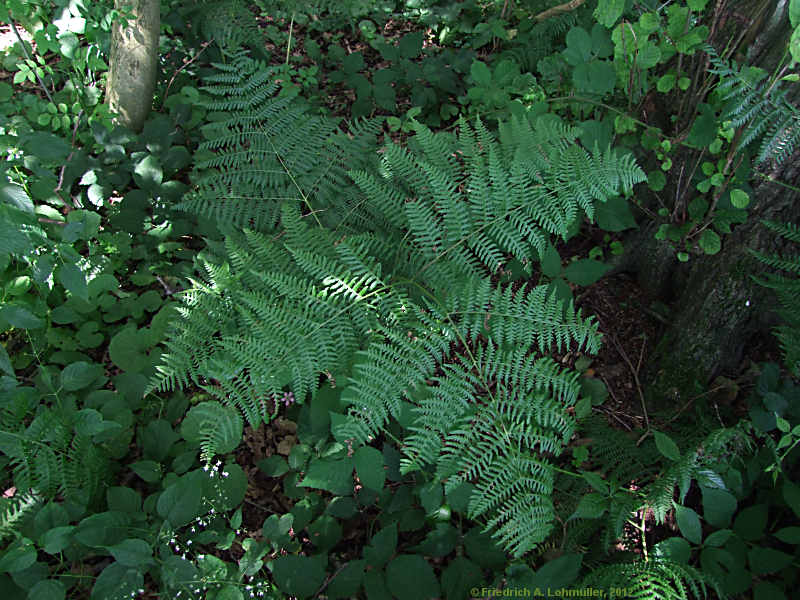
289,42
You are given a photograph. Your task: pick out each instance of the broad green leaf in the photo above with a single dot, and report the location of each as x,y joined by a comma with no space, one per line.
16,196
559,573
299,576
460,576
180,502
347,581
102,529
689,524
5,362
116,582
590,506
410,577
410,45
674,548
78,375
718,538
768,560
272,466
481,73
710,242
608,11
128,349
615,214
666,446
585,271
751,522
20,317
49,589
57,539
718,506
334,475
382,546
666,83
20,555
579,46
132,552
791,493
696,5
148,173
794,13
369,467
740,198
789,535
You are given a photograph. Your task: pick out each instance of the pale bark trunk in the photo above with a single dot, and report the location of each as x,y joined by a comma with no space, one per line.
134,62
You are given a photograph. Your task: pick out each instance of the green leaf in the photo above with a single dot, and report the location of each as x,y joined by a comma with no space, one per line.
334,475
410,577
791,493
127,349
410,45
794,13
585,271
347,581
751,522
273,466
579,46
117,581
369,467
739,198
382,546
608,11
16,196
20,317
148,470
666,446
614,214
148,173
180,502
768,560
591,506
5,362
73,279
656,180
20,555
132,552
718,506
550,261
789,535
460,576
675,548
481,73
79,374
710,242
298,575
666,83
559,573
46,147
51,589
689,524
57,539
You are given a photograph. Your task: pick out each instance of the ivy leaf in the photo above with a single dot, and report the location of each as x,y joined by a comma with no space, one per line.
666,446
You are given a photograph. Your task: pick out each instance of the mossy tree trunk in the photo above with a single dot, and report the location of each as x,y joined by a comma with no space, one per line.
134,62
717,308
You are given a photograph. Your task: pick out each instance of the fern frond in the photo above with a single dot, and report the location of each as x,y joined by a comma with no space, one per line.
654,580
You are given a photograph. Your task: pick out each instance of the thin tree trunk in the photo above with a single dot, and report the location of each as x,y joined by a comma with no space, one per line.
134,62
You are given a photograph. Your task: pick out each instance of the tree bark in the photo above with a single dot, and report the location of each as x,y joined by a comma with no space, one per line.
717,307
134,62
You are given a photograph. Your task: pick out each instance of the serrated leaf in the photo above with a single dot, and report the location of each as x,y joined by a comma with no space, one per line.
608,11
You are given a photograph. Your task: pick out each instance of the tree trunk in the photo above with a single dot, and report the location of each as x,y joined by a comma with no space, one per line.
134,62
717,308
